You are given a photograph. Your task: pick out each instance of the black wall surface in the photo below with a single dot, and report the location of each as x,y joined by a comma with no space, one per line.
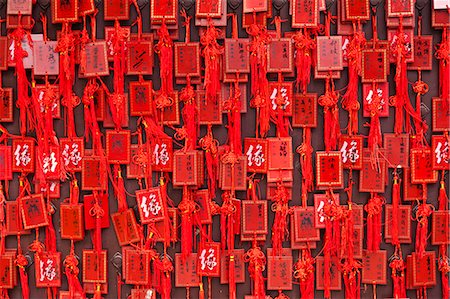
248,129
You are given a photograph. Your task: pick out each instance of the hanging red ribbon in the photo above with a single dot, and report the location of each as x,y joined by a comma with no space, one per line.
164,48
331,115
374,209
304,47
304,272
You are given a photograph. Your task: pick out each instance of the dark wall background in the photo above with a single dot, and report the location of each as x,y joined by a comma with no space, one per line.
248,123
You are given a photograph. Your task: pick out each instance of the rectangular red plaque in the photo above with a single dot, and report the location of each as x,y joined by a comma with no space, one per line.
304,110
256,151
304,229
440,232
95,266
162,159
138,267
150,205
280,153
240,175
329,53
138,162
208,9
160,227
118,146
126,227
411,192
237,58
72,152
46,60
23,155
374,267
14,224
208,259
33,211
441,115
6,105
423,53
64,11
209,112
89,218
203,200
117,10
424,269
143,294
170,115
163,9
319,202
187,59
440,18
141,95
305,13
351,148
255,5
239,266
15,7
329,170
279,270
48,269
254,217
140,57
96,60
186,271
3,53
336,281
404,224
72,224
382,89
393,37
7,266
374,66
286,91
422,167
5,163
397,149
94,173
357,10
185,170
400,8
280,56
440,152
371,178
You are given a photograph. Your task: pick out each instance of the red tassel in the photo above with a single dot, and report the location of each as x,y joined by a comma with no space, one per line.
444,268
351,270
164,49
305,150
231,278
233,106
22,262
281,210
331,115
327,258
190,115
304,46
423,212
72,271
442,198
209,145
374,209
398,274
167,269
304,271
120,190
187,208
443,55
163,188
395,210
256,264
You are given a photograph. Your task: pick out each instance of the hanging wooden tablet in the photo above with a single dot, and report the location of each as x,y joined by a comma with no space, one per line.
150,205
374,267
237,58
23,151
319,203
441,115
351,148
126,227
64,11
163,155
335,281
140,57
404,224
304,229
357,10
421,167
186,271
7,267
304,110
440,228
254,217
423,53
279,270
256,151
118,146
137,263
93,173
95,266
96,60
6,102
72,152
329,170
208,259
187,59
305,13
280,56
33,211
424,269
117,10
440,152
72,224
48,269
89,217
14,224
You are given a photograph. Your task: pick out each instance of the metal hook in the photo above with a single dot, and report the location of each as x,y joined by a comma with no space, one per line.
116,260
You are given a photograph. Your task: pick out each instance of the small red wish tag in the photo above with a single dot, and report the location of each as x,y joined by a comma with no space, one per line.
280,56
304,110
304,229
329,170
96,60
160,227
239,266
382,91
329,53
55,106
372,178
374,66
201,197
48,269
169,116
240,175
226,95
424,269
163,155
256,151
408,35
237,58
208,261
335,281
86,7
319,202
185,168
404,224
6,105
150,204
440,152
305,13
141,95
118,145
397,149
400,8
23,155
187,59
423,53
93,173
126,227
409,273
72,152
64,11
357,212
441,115
7,266
255,5
72,224
139,164
440,18
358,234
374,267
3,53
117,10
422,167
285,175
89,217
279,270
411,192
357,10
14,224
95,266
208,9
186,271
5,163
440,228
46,60
254,217
33,211
137,263
163,9
140,57
209,112
286,91
351,148
280,153
23,7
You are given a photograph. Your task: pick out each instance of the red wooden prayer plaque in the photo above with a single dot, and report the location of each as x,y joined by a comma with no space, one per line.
329,53
286,91
141,95
48,269
305,13
440,228
5,163
254,5
247,19
139,162
99,104
185,170
440,152
239,266
72,224
424,269
358,235
304,229
137,263
140,57
209,112
374,267
357,10
143,294
117,10
7,271
46,60
404,224
203,200
304,110
3,53
6,105
15,7
93,173
319,202
280,153
126,227
351,148
411,192
277,175
371,178
254,217
208,9
393,38
86,7
150,205
33,211
280,56
14,224
208,259
256,151
357,212
163,9
382,90
64,11
110,35
96,60
95,266
335,281
397,149
40,91
160,227
422,167
163,155
440,18
118,145
423,53
441,115
23,155
186,271
400,8
329,170
72,152
240,175
187,59
279,270
374,66
237,58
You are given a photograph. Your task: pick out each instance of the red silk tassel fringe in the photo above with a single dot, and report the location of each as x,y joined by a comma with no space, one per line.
395,210
186,207
423,212
329,102
281,210
398,277
443,55
164,49
304,46
374,209
304,271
